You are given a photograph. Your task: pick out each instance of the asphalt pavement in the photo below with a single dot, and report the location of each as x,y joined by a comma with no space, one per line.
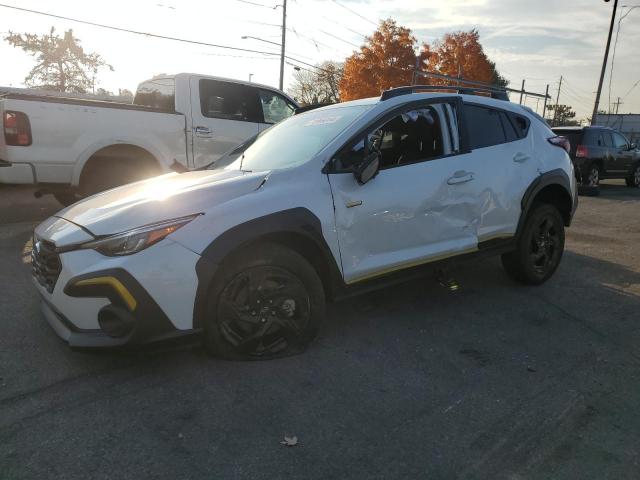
493,381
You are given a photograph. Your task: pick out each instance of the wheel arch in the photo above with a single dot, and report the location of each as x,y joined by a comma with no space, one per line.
298,229
552,187
124,147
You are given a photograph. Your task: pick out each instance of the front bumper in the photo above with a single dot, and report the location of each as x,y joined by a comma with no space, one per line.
160,284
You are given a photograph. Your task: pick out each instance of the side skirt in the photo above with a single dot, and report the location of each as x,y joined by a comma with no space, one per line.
486,249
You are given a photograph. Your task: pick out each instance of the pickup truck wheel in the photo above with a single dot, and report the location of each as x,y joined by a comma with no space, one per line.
633,180
540,247
106,173
266,303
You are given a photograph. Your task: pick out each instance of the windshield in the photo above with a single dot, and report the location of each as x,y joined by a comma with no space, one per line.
296,140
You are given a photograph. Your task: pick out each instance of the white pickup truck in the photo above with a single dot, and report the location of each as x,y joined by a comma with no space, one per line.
74,147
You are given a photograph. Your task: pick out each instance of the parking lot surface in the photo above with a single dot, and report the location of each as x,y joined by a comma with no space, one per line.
492,381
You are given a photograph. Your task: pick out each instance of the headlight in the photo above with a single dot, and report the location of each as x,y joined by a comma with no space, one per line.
132,241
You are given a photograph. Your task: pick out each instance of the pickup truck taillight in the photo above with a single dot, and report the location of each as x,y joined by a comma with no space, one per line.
561,142
582,151
17,129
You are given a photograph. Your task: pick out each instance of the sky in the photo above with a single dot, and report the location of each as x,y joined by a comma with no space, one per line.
537,41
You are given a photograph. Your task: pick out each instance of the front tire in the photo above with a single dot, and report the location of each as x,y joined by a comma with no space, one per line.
633,180
266,302
540,247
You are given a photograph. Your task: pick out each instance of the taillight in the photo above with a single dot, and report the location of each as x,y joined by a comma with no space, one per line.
562,142
582,151
17,129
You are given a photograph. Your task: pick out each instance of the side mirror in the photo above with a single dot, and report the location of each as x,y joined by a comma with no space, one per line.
633,146
368,168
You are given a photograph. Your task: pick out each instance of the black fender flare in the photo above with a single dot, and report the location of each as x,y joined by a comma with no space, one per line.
552,177
298,223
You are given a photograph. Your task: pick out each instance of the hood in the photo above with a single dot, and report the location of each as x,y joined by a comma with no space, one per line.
160,198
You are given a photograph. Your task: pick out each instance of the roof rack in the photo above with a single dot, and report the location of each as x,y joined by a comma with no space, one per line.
497,93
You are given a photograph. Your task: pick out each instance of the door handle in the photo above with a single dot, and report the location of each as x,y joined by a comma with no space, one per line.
201,131
520,157
460,177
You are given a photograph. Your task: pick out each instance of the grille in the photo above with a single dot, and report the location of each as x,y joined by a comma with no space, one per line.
45,264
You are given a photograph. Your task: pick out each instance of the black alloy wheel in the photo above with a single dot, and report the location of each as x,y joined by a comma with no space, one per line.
543,246
539,248
266,301
263,311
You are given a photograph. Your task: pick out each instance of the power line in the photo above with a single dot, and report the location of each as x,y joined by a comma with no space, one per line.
355,13
257,4
631,89
333,22
151,35
615,46
338,38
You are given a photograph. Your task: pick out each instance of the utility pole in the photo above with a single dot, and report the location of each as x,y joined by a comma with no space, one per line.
521,92
544,108
604,63
414,79
617,104
284,35
555,110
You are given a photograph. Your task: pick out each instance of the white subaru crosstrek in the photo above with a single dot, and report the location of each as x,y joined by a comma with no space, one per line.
326,203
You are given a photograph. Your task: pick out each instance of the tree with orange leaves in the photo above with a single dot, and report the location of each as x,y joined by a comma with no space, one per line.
461,54
387,60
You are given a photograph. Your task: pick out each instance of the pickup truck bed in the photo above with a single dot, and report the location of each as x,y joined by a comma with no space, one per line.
61,149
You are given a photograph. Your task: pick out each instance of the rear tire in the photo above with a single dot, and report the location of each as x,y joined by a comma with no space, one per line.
105,173
540,247
633,180
266,302
592,176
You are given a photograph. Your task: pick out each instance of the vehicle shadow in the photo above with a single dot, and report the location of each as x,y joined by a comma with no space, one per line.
590,289
618,190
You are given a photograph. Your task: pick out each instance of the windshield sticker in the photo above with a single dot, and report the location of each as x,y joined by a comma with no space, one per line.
323,121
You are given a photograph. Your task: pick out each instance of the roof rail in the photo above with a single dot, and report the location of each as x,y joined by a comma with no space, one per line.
497,93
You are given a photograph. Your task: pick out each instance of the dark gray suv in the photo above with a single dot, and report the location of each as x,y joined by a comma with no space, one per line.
601,152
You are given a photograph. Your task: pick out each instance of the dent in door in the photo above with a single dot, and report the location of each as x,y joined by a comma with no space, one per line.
382,229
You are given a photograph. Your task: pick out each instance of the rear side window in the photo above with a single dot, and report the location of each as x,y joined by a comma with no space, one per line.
485,126
574,136
521,124
229,101
592,137
509,130
157,93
